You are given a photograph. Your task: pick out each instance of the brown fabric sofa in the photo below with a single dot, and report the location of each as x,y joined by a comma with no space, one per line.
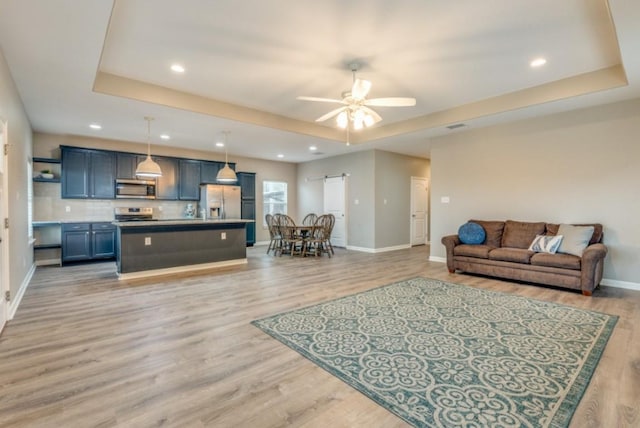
505,254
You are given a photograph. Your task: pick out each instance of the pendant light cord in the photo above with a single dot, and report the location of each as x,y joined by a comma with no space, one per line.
148,119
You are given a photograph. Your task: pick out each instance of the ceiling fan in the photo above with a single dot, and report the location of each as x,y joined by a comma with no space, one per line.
355,107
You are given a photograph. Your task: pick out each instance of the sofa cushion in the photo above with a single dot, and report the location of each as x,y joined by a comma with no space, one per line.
575,238
519,234
517,255
546,244
478,251
493,229
565,261
552,229
471,233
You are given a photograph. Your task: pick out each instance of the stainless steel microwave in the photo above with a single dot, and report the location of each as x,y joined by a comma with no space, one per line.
135,189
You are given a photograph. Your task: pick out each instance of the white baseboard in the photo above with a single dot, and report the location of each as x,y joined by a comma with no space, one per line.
261,243
620,284
437,259
378,250
15,300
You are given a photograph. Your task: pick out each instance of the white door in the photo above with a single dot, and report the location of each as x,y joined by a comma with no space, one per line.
4,284
334,203
419,192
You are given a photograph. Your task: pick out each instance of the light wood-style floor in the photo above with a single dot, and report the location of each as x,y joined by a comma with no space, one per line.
87,350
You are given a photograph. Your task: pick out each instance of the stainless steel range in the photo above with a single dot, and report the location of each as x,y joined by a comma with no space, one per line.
133,214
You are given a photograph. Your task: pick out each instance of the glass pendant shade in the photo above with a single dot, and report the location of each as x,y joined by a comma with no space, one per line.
343,119
148,168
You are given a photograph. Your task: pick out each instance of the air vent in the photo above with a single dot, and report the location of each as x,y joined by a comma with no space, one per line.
456,126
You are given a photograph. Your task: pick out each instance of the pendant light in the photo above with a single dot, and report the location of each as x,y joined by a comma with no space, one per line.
226,174
148,168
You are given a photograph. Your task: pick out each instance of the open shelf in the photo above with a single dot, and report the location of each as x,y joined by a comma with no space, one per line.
45,160
45,246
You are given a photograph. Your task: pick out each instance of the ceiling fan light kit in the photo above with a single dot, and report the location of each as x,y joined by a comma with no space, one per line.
148,168
355,110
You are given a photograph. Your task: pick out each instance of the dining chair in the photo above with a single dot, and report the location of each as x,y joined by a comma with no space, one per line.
330,222
309,219
316,244
274,235
291,242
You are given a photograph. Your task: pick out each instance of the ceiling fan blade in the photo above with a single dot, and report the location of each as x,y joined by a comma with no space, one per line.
360,89
322,100
330,114
376,116
391,102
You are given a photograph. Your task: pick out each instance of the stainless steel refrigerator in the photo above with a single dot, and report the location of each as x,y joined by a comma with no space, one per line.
220,202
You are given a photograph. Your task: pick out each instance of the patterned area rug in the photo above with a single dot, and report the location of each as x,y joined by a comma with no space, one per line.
446,355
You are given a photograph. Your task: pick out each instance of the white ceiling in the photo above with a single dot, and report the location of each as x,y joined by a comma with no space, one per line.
246,61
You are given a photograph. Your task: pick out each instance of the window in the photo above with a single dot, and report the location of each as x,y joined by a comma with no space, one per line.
274,198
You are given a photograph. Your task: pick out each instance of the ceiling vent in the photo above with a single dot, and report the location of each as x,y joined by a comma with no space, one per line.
456,126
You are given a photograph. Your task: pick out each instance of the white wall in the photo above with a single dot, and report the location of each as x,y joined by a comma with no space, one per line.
19,140
374,176
575,167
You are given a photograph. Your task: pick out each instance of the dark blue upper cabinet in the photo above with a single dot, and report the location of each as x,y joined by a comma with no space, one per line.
247,180
167,188
189,185
102,175
88,173
209,171
75,173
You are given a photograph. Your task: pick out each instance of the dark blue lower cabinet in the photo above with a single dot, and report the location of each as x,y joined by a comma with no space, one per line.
88,241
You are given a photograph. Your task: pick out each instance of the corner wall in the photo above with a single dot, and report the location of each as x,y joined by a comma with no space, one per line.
374,176
576,167
19,139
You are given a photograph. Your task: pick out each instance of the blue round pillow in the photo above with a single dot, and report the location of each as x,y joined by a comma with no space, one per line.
471,233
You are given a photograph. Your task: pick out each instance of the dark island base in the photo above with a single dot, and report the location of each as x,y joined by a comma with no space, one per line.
163,249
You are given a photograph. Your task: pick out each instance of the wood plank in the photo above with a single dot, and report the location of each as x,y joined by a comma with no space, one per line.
85,349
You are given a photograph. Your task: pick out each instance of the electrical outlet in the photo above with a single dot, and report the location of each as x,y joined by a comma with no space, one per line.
223,235
67,209
160,208
147,240
445,200
384,201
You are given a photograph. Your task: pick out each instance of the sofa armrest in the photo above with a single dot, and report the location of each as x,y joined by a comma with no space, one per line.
592,267
449,243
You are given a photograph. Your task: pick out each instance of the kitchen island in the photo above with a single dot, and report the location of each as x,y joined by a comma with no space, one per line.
158,247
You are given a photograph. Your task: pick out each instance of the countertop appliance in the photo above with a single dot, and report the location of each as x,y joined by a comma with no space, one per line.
133,214
135,189
220,202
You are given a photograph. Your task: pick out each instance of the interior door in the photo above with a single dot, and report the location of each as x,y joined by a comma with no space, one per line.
334,203
4,253
419,218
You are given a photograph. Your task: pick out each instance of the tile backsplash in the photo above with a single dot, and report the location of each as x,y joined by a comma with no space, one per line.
49,206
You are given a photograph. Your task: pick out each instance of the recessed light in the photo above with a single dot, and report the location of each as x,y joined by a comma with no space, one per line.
165,137
219,144
177,68
280,155
313,148
538,62
95,126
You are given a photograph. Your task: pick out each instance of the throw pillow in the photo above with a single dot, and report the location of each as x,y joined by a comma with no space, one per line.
575,238
546,244
471,233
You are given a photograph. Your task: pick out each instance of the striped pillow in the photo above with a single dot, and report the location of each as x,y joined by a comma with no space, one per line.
546,244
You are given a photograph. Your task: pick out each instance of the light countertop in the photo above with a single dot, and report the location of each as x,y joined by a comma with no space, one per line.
177,222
